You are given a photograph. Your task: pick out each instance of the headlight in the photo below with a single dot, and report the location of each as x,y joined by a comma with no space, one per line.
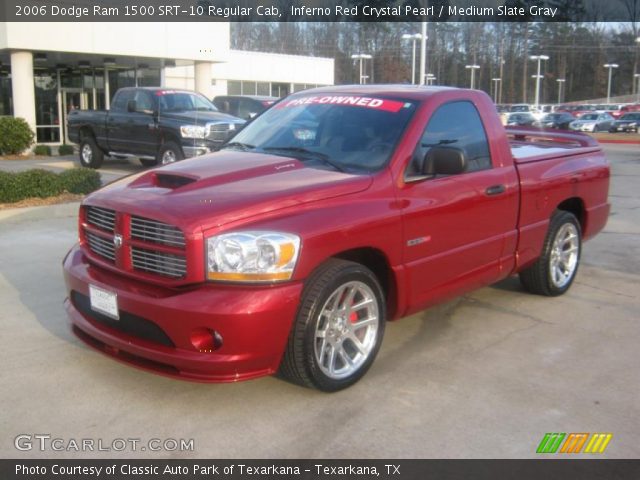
252,256
193,131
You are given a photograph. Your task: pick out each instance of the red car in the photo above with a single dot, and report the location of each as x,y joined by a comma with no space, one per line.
333,212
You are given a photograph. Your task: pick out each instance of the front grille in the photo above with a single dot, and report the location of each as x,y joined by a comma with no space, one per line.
103,218
101,246
161,263
129,324
219,132
156,232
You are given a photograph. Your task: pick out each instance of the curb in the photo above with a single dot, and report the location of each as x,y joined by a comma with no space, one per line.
45,212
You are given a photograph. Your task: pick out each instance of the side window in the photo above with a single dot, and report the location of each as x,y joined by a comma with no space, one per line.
144,100
455,124
121,99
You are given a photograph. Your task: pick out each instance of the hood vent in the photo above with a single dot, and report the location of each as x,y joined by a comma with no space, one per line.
169,180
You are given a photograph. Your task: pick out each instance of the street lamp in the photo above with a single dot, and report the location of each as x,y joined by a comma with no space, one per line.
473,69
361,57
430,77
560,83
539,58
413,37
495,81
610,66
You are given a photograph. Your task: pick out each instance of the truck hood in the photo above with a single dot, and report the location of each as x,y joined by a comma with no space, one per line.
213,190
196,117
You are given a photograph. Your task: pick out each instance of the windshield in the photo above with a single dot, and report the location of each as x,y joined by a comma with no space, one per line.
589,116
631,116
340,132
520,108
172,101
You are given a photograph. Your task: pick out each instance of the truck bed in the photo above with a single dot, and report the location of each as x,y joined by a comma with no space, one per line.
532,145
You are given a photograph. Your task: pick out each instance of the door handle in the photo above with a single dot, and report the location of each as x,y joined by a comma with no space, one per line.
495,190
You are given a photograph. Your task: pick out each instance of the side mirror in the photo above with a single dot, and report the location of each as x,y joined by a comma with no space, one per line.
131,106
444,161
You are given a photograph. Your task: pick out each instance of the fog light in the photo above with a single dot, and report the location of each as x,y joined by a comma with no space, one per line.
205,340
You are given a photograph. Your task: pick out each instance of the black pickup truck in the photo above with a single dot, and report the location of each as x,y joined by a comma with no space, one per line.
157,125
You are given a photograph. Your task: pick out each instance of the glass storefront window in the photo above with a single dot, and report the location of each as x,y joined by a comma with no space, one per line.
234,87
6,106
264,88
47,121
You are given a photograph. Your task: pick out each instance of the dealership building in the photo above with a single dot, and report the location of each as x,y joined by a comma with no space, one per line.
48,69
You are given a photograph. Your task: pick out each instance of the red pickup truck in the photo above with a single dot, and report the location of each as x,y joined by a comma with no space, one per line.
334,211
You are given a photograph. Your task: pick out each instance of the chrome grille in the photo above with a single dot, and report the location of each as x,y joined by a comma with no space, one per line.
219,132
101,246
167,264
156,232
102,218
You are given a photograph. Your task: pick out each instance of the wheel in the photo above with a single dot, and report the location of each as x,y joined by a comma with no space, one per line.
90,155
169,152
338,328
148,162
554,272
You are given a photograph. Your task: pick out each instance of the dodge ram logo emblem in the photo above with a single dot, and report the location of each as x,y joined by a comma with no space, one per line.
117,241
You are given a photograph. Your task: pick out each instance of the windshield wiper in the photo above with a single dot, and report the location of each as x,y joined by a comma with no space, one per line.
324,158
242,146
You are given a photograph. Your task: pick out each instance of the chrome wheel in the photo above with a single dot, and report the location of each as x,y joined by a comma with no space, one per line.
87,154
346,330
565,251
169,156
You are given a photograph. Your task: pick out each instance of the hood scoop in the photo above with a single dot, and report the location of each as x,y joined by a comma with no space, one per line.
172,181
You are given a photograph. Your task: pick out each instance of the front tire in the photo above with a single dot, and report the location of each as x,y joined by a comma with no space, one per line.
553,273
338,329
90,154
169,153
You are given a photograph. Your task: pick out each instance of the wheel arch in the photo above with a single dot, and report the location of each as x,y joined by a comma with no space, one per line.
376,261
575,205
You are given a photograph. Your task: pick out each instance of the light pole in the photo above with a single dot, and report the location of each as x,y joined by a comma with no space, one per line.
430,77
610,66
413,37
637,75
560,83
361,57
495,81
473,69
539,58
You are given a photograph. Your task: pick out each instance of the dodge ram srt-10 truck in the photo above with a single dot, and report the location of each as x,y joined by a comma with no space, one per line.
336,210
157,125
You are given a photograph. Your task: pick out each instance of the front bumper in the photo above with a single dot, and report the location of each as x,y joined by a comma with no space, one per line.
253,322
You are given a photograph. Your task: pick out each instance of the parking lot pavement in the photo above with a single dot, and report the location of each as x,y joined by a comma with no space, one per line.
486,375
112,168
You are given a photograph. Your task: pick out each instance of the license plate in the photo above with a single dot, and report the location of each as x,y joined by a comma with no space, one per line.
103,301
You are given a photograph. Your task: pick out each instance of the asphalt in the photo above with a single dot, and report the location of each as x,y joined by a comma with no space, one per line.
483,376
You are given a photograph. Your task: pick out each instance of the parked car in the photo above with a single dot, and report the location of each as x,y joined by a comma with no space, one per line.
157,125
243,106
592,122
520,108
578,110
520,119
289,249
629,122
560,120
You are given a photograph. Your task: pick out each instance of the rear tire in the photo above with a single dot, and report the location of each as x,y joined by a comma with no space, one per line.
338,328
553,273
169,153
90,154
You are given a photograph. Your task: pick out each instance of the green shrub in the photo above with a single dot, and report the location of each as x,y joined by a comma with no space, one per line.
65,149
42,183
42,150
80,180
15,135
